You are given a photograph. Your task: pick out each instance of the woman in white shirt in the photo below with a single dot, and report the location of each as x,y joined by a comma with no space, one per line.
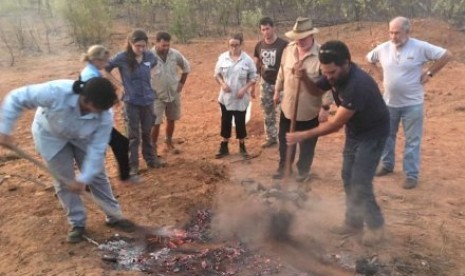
235,71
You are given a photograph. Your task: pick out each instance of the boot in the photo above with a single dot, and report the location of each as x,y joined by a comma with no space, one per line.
223,150
242,150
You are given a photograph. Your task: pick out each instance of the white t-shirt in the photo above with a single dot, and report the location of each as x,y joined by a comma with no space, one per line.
402,69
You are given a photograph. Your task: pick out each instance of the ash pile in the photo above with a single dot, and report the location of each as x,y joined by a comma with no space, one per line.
192,250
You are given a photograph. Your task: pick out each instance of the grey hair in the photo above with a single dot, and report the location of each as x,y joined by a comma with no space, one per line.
405,23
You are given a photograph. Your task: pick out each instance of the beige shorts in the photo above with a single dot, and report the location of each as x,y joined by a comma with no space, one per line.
172,110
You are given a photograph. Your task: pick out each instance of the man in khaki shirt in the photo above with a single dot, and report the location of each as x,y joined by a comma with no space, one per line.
168,79
311,109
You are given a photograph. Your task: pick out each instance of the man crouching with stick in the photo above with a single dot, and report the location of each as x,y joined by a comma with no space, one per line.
362,109
72,124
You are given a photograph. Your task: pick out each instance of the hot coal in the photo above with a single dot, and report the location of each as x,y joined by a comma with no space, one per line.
189,251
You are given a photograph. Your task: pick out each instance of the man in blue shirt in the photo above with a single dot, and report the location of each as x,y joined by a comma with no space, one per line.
72,124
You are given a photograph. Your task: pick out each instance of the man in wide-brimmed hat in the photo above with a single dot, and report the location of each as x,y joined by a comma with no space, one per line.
301,53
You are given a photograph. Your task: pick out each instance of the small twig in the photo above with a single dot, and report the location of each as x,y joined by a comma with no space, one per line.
247,158
91,241
45,186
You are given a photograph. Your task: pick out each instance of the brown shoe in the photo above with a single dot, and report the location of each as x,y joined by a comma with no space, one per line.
346,230
373,236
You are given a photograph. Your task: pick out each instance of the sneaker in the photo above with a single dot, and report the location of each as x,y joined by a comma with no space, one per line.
410,183
346,230
302,177
382,171
373,236
124,225
75,234
269,143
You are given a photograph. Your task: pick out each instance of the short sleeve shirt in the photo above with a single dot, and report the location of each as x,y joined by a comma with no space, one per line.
402,69
167,74
360,93
137,82
269,56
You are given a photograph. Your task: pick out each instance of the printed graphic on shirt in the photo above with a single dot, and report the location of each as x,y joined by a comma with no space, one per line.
268,57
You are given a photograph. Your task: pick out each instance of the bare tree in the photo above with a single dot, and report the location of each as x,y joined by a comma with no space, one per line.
6,42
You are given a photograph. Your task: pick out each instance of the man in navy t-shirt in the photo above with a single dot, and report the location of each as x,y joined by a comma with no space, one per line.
364,113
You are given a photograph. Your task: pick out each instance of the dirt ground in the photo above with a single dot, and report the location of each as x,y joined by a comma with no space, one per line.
425,226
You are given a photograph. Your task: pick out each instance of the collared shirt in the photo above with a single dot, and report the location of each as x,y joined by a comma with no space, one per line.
58,121
167,74
236,75
402,69
360,93
90,71
309,105
137,84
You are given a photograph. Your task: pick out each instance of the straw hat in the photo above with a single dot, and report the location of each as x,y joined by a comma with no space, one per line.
303,27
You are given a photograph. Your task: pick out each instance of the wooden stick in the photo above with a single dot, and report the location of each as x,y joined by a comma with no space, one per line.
291,149
61,179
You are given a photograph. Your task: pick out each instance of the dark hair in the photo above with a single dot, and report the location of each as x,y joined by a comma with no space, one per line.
237,36
162,36
334,51
135,36
98,91
266,21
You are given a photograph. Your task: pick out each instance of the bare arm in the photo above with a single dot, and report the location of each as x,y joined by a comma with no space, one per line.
182,81
440,63
377,71
220,80
337,122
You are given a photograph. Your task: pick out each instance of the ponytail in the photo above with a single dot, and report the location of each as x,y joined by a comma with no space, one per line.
78,86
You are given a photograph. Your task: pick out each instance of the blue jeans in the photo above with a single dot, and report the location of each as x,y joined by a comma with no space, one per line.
358,170
412,122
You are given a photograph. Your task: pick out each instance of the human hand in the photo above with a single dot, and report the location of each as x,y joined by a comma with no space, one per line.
225,87
298,70
295,137
5,140
241,92
424,78
180,86
77,187
276,98
252,92
323,115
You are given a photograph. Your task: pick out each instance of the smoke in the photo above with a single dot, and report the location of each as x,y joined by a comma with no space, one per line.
247,217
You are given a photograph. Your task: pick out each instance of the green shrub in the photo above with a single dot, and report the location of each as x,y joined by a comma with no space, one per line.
89,20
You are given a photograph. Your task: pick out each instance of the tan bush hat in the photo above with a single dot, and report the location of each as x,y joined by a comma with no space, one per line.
303,27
